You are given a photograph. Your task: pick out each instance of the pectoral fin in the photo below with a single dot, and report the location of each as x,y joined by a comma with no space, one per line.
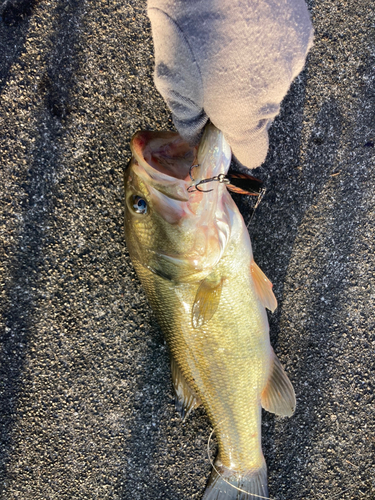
263,287
206,300
186,399
278,397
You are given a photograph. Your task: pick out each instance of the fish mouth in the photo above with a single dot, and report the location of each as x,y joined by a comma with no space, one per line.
164,152
167,158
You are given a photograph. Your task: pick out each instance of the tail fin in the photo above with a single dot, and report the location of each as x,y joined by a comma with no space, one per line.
227,484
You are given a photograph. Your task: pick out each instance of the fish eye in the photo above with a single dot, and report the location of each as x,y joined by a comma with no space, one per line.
139,205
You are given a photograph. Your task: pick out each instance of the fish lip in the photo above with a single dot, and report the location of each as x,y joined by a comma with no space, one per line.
176,189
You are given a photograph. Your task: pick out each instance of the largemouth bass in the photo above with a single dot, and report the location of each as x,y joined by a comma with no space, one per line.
192,253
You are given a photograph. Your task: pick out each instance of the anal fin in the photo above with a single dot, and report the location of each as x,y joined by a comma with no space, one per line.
263,287
278,396
185,398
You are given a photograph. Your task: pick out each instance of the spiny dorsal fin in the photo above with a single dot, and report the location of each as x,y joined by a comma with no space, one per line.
278,397
185,398
206,300
263,287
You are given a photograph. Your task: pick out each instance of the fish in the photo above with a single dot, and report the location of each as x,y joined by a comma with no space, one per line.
192,253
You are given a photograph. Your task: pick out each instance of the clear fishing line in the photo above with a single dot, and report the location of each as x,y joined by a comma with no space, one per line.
259,199
222,477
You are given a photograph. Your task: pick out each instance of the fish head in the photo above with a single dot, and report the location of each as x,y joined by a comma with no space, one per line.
176,232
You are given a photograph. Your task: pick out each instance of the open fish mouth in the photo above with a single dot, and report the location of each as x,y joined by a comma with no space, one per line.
163,154
167,158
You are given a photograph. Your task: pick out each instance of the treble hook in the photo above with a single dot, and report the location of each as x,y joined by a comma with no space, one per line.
219,178
191,169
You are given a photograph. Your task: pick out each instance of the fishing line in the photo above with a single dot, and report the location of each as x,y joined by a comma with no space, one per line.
262,192
222,477
254,494
338,494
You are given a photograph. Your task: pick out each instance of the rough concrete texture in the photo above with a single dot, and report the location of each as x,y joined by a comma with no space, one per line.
86,398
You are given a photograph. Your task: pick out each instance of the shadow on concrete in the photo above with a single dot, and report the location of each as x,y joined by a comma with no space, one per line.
14,25
37,206
295,176
331,219
304,191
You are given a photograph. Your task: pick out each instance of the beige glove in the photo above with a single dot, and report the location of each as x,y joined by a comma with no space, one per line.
230,61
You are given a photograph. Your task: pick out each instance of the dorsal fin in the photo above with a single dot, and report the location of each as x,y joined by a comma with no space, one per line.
185,398
278,396
263,287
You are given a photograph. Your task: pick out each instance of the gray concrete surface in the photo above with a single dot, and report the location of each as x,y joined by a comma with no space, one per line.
85,391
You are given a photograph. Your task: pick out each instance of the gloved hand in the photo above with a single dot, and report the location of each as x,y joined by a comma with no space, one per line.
230,61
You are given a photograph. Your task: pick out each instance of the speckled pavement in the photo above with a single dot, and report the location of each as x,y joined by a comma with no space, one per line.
86,405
